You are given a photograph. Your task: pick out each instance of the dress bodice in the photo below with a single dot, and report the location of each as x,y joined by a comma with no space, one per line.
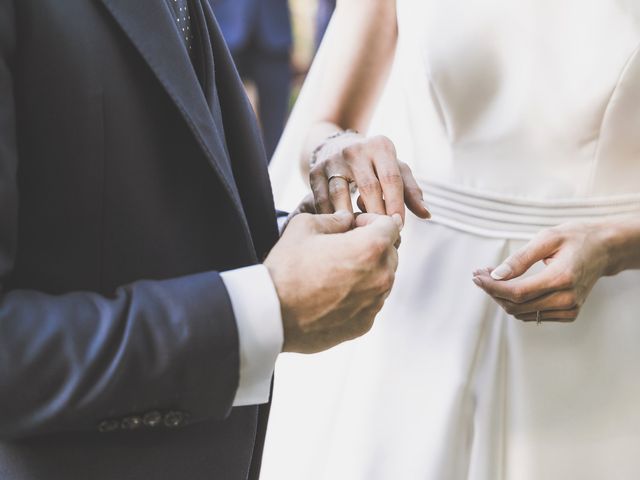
530,98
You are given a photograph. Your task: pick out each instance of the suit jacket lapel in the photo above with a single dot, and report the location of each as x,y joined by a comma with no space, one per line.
149,26
244,141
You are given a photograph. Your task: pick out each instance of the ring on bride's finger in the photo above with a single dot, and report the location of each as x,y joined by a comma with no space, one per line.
538,318
344,177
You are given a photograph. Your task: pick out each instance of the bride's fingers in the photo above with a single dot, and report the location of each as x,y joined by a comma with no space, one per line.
320,189
522,289
413,196
369,188
562,316
340,194
558,300
391,181
385,163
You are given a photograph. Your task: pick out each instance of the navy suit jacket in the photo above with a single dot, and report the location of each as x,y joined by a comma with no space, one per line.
119,202
266,21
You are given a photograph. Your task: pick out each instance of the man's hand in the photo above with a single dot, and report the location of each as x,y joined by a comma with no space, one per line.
332,279
307,205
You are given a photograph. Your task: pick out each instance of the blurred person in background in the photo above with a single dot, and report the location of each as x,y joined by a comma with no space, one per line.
259,35
521,122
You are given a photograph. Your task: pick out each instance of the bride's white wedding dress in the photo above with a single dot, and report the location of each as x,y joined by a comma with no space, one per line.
515,115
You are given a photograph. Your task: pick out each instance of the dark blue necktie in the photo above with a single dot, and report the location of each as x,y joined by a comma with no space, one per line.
182,17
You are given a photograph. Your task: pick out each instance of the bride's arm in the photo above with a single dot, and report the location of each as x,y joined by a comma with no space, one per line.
359,49
358,52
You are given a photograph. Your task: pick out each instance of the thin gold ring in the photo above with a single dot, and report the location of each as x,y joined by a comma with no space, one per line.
538,319
344,177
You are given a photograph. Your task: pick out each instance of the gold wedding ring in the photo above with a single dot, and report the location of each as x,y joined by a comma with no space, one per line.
344,177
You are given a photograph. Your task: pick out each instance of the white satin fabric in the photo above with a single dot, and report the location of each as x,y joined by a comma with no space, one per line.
515,116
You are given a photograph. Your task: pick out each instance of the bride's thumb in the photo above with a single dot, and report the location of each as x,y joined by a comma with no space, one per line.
518,263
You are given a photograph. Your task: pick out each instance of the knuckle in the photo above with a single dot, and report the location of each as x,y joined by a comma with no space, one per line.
567,279
300,221
370,187
383,143
351,152
385,282
518,295
365,322
316,171
404,168
569,299
393,178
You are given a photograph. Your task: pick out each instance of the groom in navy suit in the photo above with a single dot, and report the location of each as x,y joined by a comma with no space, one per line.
144,294
259,35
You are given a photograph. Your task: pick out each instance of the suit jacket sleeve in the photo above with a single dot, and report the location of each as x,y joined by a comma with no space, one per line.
68,362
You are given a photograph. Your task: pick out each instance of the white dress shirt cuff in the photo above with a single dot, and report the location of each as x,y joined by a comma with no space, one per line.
256,307
281,223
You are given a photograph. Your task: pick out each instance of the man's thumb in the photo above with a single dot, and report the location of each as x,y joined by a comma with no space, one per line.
339,222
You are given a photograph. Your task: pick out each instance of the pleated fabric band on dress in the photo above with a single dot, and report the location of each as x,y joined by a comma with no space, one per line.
498,216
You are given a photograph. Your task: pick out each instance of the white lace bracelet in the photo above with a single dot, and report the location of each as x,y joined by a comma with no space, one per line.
316,151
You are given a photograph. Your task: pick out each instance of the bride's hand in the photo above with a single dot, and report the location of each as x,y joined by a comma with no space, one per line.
384,183
576,255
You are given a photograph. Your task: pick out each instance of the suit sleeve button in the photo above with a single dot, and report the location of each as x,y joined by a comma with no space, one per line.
108,426
152,419
131,423
174,419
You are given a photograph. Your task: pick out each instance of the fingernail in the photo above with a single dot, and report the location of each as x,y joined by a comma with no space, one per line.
477,281
343,213
398,219
503,271
426,207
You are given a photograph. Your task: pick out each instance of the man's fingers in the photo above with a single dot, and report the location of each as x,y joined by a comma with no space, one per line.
413,196
542,246
364,219
381,230
339,222
340,194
